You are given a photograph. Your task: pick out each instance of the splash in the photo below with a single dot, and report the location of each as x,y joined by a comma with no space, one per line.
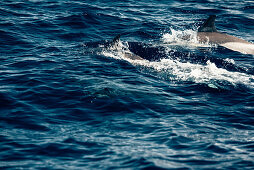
187,38
208,74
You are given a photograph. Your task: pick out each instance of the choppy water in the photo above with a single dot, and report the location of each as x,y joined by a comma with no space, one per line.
67,102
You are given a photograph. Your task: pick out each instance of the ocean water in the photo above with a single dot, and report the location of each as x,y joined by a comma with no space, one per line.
69,102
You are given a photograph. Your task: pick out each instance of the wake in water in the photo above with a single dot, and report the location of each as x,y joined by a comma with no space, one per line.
165,59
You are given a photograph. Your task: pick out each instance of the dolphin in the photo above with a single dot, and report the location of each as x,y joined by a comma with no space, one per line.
208,33
142,52
127,54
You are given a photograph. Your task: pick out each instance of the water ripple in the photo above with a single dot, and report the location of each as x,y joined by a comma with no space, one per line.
69,102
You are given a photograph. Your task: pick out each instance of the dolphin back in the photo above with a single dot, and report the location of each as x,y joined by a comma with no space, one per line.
208,25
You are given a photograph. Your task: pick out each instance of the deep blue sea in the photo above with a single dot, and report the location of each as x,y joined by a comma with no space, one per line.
69,102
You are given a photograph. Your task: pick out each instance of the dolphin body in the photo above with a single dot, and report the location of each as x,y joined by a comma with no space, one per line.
139,52
127,54
207,33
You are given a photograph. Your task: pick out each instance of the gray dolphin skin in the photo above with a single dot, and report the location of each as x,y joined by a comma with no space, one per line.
207,33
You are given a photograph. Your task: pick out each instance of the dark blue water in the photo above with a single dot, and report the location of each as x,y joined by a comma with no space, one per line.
67,102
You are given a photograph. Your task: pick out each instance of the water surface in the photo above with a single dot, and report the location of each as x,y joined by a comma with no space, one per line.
67,102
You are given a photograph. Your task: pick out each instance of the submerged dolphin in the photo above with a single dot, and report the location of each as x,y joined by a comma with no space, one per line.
208,33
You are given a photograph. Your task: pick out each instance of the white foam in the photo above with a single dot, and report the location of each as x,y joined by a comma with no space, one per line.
200,73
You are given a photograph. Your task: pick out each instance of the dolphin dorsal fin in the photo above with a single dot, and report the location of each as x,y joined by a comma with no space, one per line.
208,25
116,39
